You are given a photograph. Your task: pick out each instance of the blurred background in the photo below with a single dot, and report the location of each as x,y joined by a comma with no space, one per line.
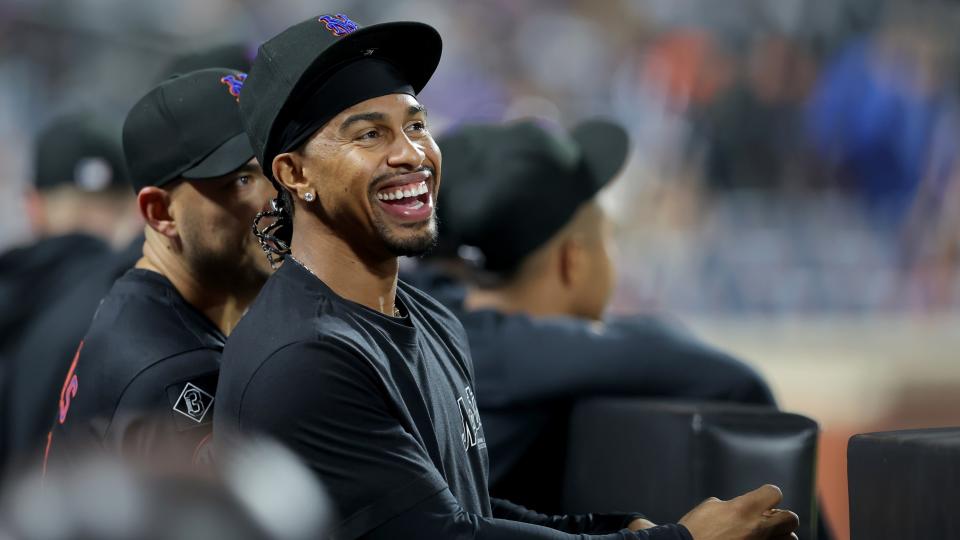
793,192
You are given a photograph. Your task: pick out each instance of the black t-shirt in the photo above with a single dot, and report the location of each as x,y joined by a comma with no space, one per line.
47,347
383,409
143,380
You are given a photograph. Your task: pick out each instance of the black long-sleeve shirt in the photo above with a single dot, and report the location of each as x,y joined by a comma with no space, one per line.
382,409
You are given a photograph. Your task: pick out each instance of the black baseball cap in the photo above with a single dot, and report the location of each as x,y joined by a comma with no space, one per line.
188,126
313,70
236,56
79,150
507,189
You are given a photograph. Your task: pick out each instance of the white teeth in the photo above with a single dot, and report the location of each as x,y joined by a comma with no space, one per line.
416,205
415,191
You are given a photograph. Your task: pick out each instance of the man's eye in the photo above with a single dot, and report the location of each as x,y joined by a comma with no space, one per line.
243,180
366,135
418,126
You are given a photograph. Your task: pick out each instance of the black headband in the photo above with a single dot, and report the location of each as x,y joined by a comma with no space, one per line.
358,81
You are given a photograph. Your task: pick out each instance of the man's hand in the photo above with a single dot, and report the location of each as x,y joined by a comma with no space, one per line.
751,516
640,524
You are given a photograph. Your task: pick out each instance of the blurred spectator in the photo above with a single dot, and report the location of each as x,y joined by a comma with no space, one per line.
873,114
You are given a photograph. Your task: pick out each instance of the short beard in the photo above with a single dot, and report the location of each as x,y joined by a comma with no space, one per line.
412,246
226,272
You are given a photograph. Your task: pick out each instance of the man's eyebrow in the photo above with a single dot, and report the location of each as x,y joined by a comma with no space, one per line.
248,168
361,117
416,109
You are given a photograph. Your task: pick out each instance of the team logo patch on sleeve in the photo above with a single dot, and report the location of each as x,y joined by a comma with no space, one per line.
193,403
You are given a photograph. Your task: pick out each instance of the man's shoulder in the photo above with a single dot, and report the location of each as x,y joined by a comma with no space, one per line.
185,383
494,332
491,321
138,326
277,319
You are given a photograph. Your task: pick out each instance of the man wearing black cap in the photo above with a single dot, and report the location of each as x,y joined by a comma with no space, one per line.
143,380
46,348
370,380
534,313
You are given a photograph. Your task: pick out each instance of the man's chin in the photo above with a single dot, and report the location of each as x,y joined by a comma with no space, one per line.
413,245
414,241
411,248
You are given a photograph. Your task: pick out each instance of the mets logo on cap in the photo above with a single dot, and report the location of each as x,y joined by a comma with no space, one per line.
339,25
234,84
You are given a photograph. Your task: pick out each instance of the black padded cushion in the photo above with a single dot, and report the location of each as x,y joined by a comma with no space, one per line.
664,458
905,484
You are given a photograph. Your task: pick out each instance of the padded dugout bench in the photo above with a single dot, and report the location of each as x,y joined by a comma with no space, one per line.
664,458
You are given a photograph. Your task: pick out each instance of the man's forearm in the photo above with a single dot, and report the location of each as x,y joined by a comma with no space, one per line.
579,524
441,517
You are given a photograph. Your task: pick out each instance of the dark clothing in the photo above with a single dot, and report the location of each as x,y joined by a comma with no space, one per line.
531,370
44,354
382,408
143,379
34,277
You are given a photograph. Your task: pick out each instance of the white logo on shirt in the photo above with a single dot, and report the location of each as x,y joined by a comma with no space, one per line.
193,403
472,434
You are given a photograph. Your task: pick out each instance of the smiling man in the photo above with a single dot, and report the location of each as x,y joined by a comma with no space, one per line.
367,379
143,380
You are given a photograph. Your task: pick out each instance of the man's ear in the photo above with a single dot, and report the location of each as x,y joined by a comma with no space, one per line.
36,213
154,205
287,169
572,260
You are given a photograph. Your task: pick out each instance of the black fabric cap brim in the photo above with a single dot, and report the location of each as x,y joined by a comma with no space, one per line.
229,157
604,146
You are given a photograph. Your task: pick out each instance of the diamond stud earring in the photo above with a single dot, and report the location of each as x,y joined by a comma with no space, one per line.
308,196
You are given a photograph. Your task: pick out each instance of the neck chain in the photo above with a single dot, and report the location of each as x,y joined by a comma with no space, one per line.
396,310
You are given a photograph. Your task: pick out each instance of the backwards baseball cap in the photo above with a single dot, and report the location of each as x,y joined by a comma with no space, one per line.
507,189
188,126
78,150
312,71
